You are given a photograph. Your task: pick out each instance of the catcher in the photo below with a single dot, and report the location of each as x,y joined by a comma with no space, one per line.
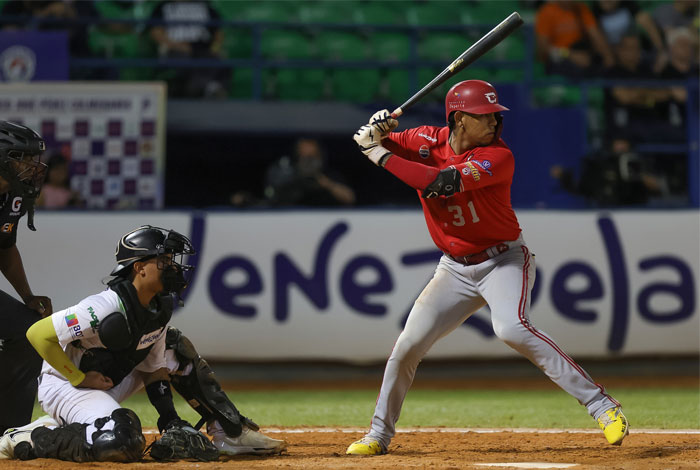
99,352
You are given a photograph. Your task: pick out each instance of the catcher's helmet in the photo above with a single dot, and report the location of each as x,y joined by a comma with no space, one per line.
20,151
474,97
149,242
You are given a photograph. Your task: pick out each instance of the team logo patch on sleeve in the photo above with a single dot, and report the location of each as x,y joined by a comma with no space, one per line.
470,169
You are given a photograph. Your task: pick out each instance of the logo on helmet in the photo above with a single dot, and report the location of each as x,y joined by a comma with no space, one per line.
424,151
491,97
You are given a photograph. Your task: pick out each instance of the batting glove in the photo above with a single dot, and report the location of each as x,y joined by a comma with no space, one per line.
383,122
370,143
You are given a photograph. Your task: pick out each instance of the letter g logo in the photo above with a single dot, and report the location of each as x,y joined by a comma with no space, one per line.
16,204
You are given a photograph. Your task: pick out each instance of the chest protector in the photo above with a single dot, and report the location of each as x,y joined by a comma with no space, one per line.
120,332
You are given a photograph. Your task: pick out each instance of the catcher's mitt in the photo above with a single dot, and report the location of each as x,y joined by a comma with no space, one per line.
181,441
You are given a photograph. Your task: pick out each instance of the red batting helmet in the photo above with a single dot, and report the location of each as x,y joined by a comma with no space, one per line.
474,97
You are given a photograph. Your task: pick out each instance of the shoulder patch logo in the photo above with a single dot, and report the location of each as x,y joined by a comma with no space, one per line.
16,204
484,165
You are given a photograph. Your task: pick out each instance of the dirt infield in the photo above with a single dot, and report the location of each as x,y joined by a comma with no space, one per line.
315,450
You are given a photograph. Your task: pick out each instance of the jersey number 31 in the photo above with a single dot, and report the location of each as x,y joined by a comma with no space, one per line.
459,218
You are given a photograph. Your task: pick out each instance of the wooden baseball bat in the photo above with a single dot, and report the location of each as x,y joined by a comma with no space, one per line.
479,48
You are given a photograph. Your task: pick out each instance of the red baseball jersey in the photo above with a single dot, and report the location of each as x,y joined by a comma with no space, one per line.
480,215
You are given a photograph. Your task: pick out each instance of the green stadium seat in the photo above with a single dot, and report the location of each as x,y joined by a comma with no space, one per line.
336,12
396,85
493,12
238,42
355,85
390,46
285,44
241,83
379,12
341,45
511,48
297,84
434,13
442,46
265,11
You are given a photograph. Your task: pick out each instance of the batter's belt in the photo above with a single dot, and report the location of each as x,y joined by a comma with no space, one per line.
487,254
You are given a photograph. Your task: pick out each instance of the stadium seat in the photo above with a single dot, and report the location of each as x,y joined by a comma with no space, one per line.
341,45
337,12
263,11
434,13
241,83
297,84
355,85
396,85
285,44
379,12
238,42
511,48
442,46
390,46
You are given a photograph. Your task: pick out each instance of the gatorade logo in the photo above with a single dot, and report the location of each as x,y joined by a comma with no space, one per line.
16,204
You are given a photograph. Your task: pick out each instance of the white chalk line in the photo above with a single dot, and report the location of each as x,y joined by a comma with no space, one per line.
462,430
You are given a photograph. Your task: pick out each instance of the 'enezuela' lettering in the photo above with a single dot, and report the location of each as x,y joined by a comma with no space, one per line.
566,301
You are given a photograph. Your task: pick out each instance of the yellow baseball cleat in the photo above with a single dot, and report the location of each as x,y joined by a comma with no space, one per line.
366,446
614,425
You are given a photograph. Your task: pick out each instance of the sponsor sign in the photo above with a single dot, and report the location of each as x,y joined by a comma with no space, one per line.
338,286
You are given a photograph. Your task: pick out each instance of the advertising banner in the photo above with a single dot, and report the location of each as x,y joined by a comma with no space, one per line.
113,134
31,55
338,285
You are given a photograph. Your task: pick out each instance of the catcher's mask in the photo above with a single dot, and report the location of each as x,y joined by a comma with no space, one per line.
167,246
20,165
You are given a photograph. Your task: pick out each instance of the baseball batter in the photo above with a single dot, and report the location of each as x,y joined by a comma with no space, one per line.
21,177
99,352
463,173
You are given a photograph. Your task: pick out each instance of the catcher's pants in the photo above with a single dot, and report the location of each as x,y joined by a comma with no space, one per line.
66,403
20,364
455,292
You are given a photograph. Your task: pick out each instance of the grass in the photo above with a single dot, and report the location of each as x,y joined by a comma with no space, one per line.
665,408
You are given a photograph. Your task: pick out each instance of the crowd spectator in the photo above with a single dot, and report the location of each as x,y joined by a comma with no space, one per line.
615,176
301,180
56,193
194,40
642,113
617,17
52,15
569,41
677,14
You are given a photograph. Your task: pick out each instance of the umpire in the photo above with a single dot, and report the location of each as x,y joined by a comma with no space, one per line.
21,177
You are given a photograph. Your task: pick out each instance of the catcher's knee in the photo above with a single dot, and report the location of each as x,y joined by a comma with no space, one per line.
123,443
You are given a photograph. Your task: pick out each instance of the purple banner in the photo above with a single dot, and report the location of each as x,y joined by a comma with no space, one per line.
31,56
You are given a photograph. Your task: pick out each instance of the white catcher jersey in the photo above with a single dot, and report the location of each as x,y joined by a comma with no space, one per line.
80,322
